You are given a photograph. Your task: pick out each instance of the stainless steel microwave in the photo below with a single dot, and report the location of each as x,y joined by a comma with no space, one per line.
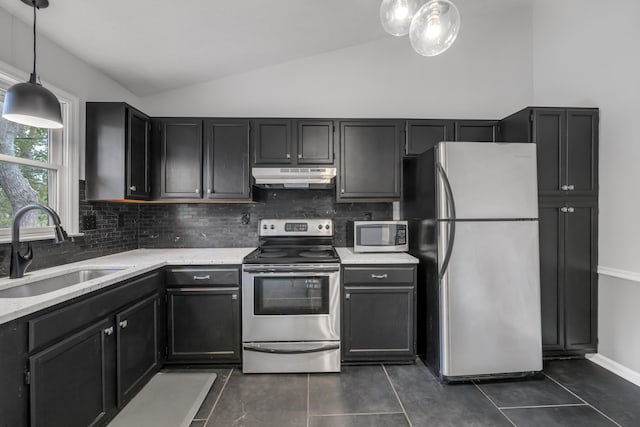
378,236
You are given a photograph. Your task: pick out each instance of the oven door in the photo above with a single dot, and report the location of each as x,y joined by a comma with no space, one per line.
290,303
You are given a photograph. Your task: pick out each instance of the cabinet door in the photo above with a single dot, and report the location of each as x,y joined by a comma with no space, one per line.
315,141
582,152
476,130
378,323
227,159
370,160
138,185
137,344
551,227
70,381
549,130
580,278
181,159
272,141
204,324
425,134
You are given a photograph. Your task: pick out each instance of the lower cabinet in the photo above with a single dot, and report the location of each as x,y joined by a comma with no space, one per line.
379,315
71,381
568,278
203,315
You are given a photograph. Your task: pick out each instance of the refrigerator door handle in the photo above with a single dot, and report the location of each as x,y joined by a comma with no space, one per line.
451,222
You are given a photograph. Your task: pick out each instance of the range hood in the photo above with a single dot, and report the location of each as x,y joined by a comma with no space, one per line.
276,177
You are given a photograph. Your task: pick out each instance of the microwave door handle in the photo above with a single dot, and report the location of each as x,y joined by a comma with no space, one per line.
451,222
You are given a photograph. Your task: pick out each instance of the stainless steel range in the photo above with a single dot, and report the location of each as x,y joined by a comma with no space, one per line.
291,299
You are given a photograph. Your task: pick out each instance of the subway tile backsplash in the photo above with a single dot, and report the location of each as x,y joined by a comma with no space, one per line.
125,226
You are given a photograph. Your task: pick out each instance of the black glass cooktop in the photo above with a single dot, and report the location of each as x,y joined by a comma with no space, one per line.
290,255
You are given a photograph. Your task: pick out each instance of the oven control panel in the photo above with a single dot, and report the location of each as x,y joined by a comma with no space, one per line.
296,227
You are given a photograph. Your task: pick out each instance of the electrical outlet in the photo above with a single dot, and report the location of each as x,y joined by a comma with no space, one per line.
368,216
245,219
89,222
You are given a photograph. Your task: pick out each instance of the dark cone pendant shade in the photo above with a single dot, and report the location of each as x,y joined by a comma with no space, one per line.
29,103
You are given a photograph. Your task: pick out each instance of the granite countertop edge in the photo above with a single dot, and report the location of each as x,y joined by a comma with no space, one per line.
349,257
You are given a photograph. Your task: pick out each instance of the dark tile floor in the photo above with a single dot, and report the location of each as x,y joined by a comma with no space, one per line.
572,393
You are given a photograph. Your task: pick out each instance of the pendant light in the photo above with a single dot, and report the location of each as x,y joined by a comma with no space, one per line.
434,27
396,15
30,103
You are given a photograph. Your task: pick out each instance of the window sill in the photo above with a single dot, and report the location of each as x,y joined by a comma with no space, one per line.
48,235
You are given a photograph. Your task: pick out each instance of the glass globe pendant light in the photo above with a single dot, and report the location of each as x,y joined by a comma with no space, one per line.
29,103
434,27
396,15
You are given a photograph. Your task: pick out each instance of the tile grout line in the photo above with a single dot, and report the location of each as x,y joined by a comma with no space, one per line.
563,405
586,403
308,386
493,403
356,414
219,396
397,396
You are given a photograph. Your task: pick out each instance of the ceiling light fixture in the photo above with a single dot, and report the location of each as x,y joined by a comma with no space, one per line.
432,26
30,103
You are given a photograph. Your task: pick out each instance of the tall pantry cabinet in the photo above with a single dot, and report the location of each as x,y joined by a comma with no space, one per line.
567,141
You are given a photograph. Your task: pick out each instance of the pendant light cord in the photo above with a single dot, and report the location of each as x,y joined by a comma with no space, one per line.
33,77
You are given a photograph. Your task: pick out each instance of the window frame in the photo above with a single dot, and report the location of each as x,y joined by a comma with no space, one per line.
63,158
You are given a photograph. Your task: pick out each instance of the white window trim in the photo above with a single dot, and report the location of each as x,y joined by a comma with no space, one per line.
67,164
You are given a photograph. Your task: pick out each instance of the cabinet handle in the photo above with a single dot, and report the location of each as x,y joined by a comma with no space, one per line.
571,187
379,276
207,277
124,323
570,210
288,156
109,331
197,190
564,187
299,156
132,188
342,190
234,296
564,209
347,296
208,191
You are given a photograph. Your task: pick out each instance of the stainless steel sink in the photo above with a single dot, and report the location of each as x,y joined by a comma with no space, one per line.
50,284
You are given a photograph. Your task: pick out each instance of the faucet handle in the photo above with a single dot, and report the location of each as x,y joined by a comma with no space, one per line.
28,255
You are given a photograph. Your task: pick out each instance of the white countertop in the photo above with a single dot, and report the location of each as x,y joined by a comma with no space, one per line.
133,263
348,256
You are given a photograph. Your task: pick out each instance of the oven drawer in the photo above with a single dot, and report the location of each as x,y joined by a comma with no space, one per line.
269,357
381,275
202,276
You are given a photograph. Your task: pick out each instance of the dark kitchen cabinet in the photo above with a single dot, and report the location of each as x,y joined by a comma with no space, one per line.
425,134
379,315
137,346
226,166
71,381
567,142
293,142
476,130
370,160
203,315
178,158
568,278
117,152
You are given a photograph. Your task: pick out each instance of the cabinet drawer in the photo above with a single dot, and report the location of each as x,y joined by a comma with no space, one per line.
59,322
202,276
382,275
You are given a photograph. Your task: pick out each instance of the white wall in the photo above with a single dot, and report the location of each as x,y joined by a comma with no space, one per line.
59,68
486,74
587,55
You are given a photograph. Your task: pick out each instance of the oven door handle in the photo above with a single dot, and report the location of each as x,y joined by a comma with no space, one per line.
315,269
264,349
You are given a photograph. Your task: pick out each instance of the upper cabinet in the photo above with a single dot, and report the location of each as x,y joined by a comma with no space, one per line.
370,160
567,141
201,159
425,134
293,142
117,152
226,167
178,145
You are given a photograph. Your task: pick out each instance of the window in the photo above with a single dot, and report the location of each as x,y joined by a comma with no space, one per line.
38,166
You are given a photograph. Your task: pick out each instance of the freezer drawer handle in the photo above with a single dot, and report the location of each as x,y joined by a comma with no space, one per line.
207,277
379,276
318,349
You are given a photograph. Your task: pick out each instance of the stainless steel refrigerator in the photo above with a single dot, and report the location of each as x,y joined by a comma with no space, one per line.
473,212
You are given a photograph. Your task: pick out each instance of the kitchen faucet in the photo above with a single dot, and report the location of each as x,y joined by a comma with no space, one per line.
20,262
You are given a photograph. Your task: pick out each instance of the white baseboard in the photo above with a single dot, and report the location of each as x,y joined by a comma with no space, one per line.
620,274
615,367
